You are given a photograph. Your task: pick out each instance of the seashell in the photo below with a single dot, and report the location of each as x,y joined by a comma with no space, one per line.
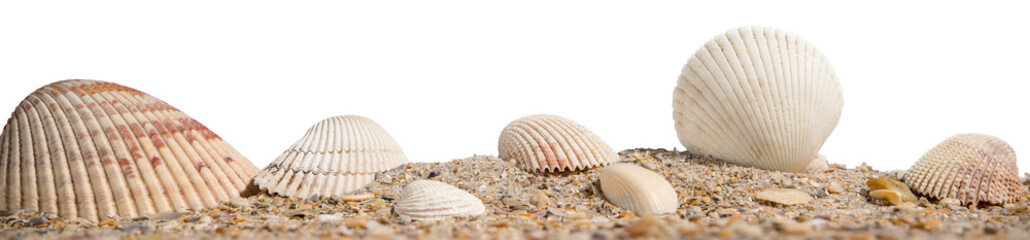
973,168
336,157
904,193
784,196
637,189
757,97
97,150
428,200
549,143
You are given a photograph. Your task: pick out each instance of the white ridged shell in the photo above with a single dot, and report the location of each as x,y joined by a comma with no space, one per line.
94,150
427,200
972,168
549,143
336,157
637,189
757,97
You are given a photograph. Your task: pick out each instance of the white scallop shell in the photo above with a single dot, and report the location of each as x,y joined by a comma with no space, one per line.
972,168
637,189
549,143
427,200
336,157
757,97
95,150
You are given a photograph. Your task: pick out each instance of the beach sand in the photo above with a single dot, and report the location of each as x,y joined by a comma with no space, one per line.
716,201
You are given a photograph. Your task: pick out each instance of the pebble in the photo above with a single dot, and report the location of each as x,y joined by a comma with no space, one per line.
37,221
792,227
135,228
515,204
540,199
238,202
948,202
834,188
783,196
169,216
329,218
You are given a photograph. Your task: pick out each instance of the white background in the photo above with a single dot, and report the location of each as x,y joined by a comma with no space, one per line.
445,77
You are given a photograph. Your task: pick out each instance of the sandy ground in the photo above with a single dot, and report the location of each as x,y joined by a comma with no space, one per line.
716,201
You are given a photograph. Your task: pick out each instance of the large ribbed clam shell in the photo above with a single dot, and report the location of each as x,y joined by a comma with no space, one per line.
637,189
336,157
757,97
549,143
94,150
972,168
428,200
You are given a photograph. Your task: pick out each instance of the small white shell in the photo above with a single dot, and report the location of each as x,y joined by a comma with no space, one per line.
972,168
427,200
93,150
336,157
757,97
549,143
637,189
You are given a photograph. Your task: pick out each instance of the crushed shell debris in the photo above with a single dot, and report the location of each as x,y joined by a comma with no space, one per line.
716,204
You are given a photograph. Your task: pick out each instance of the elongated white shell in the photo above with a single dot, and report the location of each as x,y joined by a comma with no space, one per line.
427,200
549,143
972,168
757,97
93,150
336,157
637,189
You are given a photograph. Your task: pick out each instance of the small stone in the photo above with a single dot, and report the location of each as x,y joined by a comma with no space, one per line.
432,174
863,169
834,188
37,222
599,220
357,197
238,202
540,199
642,226
900,188
108,223
792,227
329,218
135,228
4,213
386,178
890,196
515,204
1019,207
783,196
169,216
947,202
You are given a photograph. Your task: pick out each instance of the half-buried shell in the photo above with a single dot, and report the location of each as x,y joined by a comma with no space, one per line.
549,143
335,158
96,150
428,200
637,189
757,97
973,168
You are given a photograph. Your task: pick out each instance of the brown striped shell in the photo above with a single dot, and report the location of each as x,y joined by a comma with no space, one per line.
973,168
336,157
549,143
95,150
757,97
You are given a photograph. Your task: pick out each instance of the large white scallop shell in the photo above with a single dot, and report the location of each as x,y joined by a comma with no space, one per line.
972,168
549,143
428,200
637,189
95,150
336,157
757,97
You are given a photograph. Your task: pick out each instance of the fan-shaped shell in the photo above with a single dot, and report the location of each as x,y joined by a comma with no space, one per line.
757,97
972,168
336,157
93,150
637,189
428,200
549,143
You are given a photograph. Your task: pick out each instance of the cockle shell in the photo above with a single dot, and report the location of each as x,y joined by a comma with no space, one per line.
757,97
549,143
428,200
336,157
95,150
637,189
972,168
